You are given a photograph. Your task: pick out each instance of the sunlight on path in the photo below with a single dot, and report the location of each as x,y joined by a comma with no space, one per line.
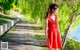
21,37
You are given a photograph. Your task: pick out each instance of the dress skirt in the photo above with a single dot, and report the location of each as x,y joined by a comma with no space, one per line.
53,34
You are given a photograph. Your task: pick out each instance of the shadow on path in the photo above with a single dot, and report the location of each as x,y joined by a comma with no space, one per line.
19,37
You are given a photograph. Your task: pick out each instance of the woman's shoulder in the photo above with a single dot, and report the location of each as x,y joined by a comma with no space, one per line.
48,17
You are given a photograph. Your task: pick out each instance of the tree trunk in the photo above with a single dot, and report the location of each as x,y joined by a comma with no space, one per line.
64,38
65,35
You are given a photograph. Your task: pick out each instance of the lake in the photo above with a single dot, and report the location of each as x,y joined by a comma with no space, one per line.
75,34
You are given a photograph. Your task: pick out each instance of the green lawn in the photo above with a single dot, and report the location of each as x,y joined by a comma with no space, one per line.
41,41
70,45
5,19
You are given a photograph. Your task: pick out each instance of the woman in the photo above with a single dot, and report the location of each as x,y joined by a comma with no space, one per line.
52,29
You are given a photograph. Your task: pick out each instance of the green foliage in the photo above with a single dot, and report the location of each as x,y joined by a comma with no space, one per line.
65,14
39,37
5,19
35,8
72,45
6,5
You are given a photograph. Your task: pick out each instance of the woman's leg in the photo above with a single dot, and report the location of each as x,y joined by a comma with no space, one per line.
58,49
49,48
55,49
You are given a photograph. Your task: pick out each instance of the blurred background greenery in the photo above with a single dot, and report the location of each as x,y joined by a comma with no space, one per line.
34,11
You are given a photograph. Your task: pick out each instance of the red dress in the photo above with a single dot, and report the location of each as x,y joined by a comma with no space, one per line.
54,39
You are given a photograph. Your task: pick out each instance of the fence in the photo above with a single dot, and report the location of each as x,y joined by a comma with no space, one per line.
7,26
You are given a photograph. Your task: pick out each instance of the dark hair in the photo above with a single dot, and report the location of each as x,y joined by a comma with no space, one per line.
51,6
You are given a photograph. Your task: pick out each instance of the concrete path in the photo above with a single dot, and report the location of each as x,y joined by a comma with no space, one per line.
21,37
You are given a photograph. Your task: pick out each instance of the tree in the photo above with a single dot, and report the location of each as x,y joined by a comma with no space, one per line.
73,18
6,5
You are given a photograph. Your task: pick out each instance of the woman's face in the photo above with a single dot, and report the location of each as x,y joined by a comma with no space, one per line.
55,11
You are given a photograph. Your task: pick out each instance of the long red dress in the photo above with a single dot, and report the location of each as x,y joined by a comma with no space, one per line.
54,38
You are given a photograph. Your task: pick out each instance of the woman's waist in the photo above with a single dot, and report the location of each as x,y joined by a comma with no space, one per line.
52,26
51,29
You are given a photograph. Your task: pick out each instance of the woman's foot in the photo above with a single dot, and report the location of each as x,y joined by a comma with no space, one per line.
55,49
49,49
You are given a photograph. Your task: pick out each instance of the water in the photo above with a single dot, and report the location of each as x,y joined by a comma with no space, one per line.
75,34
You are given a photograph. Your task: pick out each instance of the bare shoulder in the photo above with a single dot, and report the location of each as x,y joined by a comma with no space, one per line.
53,18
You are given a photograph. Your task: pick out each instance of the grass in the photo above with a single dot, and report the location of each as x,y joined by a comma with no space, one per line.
41,40
39,37
2,21
45,48
70,45
5,19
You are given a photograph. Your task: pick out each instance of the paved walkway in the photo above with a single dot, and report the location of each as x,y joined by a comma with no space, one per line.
21,37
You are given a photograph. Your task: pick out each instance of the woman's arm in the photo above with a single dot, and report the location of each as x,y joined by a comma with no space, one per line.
57,25
46,27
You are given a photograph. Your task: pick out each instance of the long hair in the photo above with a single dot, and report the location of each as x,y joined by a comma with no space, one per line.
51,6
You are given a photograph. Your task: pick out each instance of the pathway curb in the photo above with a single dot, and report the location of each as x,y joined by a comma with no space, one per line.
7,26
